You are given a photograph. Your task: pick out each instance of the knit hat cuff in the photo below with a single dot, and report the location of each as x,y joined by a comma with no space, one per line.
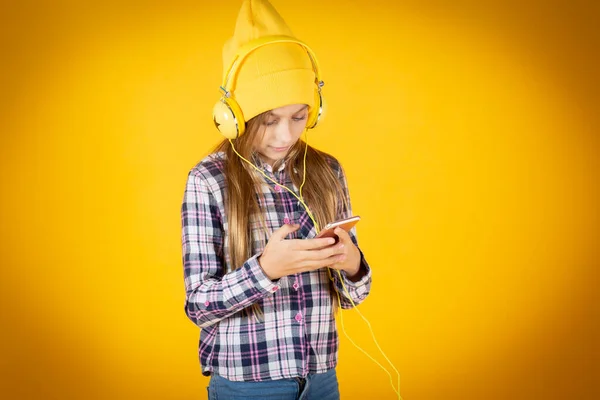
278,89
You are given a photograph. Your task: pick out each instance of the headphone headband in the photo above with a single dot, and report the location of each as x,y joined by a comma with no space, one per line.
246,49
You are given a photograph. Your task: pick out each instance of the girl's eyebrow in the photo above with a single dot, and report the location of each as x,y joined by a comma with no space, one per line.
279,116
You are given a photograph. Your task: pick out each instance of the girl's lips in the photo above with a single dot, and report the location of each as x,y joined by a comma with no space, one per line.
279,149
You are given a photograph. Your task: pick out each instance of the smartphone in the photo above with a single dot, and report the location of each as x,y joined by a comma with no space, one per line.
345,224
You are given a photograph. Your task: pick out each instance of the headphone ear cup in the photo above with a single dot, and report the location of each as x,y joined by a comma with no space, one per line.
316,114
228,118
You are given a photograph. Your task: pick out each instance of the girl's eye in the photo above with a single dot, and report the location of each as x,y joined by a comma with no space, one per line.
297,119
270,123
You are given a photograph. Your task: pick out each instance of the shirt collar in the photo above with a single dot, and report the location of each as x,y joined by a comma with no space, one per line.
258,161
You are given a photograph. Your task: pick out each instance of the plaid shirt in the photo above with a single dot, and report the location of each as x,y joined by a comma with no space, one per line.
297,334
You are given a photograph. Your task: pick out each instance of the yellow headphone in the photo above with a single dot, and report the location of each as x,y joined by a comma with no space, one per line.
227,114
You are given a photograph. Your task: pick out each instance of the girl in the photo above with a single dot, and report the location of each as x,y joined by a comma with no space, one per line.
258,283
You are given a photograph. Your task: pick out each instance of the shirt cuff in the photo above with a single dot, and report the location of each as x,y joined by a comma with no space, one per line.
259,278
364,269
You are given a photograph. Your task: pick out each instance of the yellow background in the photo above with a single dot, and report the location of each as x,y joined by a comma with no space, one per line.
469,134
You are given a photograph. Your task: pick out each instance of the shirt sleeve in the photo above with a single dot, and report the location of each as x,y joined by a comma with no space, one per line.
212,294
359,290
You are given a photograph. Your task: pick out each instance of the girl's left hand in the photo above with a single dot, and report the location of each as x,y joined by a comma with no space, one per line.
351,256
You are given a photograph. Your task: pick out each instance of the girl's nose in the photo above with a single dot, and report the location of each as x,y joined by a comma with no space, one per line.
284,132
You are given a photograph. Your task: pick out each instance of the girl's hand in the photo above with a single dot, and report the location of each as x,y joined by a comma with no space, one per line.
283,256
351,256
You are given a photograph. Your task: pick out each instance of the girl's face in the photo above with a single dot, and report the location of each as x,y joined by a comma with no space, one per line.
282,127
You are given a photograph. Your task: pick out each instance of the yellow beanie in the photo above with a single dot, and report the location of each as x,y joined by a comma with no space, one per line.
271,76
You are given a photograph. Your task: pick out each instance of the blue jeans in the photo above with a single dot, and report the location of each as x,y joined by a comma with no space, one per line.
313,387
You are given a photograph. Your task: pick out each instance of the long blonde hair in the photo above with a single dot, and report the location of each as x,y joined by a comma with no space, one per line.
322,191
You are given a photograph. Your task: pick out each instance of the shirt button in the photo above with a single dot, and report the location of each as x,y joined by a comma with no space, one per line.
295,285
206,303
275,288
277,188
286,220
298,317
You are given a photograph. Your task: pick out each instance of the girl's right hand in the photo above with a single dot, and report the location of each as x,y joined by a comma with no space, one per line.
283,256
